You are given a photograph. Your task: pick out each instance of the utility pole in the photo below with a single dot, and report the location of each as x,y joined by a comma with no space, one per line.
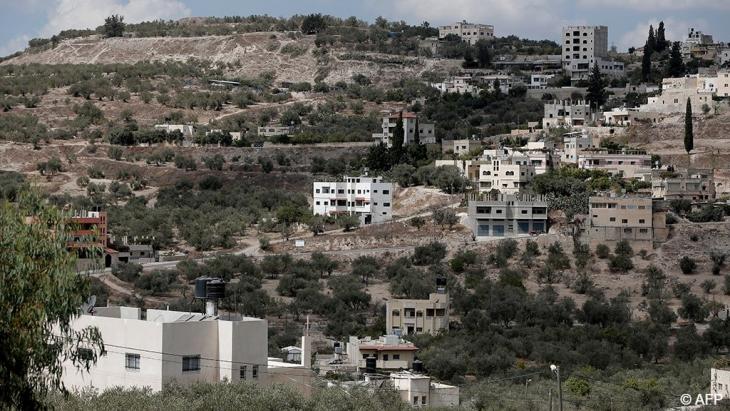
556,370
560,390
550,398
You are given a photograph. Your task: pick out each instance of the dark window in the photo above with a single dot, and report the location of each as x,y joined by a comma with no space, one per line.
191,363
86,354
385,357
255,372
396,356
132,361
386,191
242,373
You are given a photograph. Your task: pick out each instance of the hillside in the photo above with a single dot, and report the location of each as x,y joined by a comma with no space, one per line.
245,55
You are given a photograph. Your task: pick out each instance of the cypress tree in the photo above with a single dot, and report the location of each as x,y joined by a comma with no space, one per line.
646,63
396,150
676,67
596,93
651,40
661,39
689,138
416,134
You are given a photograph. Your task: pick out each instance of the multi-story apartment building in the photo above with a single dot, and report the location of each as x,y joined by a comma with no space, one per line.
469,32
417,316
391,353
505,170
89,230
675,92
636,219
695,185
540,81
163,346
507,215
426,131
541,155
573,145
629,164
460,147
586,46
369,198
566,114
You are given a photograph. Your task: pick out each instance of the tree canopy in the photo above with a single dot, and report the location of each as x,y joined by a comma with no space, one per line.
41,295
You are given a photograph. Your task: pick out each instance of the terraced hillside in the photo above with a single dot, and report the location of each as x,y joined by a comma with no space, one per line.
251,54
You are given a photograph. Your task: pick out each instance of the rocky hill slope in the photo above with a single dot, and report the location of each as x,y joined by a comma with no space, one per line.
243,55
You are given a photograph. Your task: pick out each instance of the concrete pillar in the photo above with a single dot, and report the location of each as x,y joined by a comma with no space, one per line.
306,360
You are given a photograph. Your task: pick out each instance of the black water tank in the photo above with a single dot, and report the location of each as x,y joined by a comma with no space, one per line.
417,366
441,281
215,289
200,286
371,364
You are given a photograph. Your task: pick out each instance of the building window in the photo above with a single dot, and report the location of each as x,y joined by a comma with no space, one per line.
242,372
643,230
255,372
628,230
191,363
386,204
396,313
132,361
86,354
415,400
642,221
624,221
385,191
423,400
385,357
396,356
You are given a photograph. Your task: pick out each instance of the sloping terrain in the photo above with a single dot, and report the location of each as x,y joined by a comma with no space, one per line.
246,55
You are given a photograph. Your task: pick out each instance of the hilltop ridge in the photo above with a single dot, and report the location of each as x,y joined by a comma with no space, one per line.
247,54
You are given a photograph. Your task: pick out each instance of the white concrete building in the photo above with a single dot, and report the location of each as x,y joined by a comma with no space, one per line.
426,131
676,91
566,114
629,164
540,81
695,185
585,46
460,147
419,391
458,84
369,198
695,38
273,130
722,83
720,381
505,170
391,353
573,144
187,131
165,346
469,32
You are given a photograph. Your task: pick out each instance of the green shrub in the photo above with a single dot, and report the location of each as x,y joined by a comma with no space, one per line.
687,265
